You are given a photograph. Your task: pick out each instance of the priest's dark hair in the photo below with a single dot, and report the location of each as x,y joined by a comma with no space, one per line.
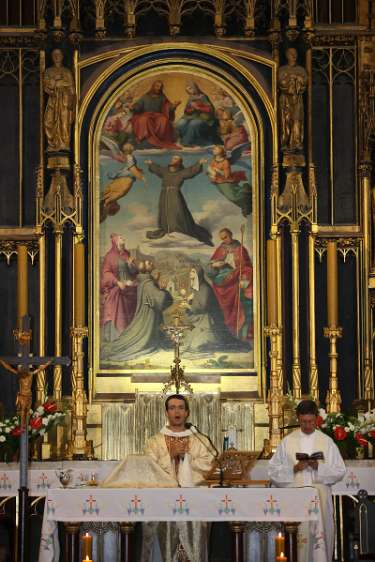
306,407
177,397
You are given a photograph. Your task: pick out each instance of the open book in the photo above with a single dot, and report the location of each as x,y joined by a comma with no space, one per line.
317,456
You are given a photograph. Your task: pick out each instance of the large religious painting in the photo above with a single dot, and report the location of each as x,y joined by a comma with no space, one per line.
174,236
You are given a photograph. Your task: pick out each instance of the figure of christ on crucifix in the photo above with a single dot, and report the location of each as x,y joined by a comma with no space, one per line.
24,395
22,368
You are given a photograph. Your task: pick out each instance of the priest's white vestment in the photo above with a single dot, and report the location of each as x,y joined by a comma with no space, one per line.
330,470
187,472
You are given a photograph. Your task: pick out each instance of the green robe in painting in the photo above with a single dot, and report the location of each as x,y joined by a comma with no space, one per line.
143,334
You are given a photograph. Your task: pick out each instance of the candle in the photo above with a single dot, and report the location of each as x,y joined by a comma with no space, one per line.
332,293
87,546
271,282
22,283
279,544
79,284
281,558
87,559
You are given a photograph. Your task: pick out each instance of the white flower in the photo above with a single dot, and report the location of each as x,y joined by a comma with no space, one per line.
7,430
347,429
2,439
45,421
42,431
40,410
350,426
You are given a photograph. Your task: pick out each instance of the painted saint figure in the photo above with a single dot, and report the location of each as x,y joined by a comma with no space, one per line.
231,272
118,289
143,335
198,126
59,113
174,214
152,120
292,81
209,332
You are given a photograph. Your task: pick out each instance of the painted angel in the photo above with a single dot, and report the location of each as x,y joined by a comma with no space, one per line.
228,181
122,181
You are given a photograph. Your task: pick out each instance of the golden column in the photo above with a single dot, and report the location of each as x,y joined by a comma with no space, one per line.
332,331
313,368
78,445
296,360
22,284
273,331
368,382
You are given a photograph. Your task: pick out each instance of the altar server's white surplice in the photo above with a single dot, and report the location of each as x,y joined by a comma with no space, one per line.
312,546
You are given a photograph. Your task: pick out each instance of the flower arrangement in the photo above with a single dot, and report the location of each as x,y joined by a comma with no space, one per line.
41,421
348,432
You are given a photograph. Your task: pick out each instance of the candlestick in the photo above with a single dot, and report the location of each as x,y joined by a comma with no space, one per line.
79,284
22,284
87,546
271,282
279,544
281,558
332,280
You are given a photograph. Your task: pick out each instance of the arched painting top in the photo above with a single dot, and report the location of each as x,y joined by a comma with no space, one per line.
176,169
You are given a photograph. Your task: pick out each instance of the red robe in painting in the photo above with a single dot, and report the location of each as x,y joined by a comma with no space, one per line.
117,305
225,283
152,121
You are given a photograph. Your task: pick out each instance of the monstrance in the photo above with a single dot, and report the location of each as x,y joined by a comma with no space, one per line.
176,333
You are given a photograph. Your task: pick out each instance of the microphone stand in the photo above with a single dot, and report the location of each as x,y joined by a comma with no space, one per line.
213,449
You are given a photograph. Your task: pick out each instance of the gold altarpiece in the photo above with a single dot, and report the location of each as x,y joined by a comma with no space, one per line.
284,203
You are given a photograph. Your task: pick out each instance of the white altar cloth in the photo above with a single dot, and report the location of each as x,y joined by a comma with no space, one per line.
176,504
42,476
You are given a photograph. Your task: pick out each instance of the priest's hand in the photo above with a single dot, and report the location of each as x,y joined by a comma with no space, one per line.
301,465
177,449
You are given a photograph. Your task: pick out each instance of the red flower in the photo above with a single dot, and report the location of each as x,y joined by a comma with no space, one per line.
16,431
372,434
36,423
319,421
360,439
50,407
340,433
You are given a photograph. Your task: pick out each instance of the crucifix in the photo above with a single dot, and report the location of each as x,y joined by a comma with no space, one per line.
177,379
21,366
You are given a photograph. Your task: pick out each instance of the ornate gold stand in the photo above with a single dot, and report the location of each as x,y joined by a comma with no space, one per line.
333,398
275,391
78,445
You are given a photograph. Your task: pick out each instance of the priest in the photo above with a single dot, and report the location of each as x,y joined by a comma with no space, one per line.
186,457
286,471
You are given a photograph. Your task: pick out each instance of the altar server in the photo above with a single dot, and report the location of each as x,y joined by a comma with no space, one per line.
286,471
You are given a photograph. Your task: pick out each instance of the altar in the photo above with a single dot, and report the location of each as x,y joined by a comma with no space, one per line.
232,505
91,506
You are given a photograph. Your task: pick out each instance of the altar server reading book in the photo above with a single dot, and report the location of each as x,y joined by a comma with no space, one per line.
308,457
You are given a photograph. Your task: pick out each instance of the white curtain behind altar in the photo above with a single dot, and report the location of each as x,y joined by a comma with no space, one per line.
126,427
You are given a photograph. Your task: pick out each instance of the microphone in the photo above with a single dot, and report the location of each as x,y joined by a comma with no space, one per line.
195,431
211,448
